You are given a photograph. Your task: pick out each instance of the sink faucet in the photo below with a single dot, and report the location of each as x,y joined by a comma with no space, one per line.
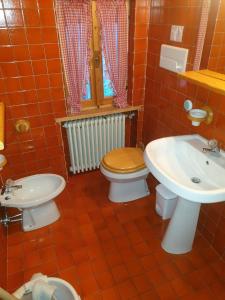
9,186
213,147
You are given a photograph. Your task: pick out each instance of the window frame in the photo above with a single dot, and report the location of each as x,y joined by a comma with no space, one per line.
96,69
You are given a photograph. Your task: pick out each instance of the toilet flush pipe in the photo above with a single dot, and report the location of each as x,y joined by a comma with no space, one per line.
4,295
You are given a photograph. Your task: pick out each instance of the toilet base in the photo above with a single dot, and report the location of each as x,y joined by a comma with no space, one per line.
125,187
40,216
128,191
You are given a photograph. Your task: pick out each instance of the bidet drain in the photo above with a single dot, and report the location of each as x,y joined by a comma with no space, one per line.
195,179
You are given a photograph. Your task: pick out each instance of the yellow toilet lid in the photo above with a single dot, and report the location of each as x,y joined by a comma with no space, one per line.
124,160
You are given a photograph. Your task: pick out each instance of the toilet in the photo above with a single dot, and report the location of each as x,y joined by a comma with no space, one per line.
127,173
34,196
43,287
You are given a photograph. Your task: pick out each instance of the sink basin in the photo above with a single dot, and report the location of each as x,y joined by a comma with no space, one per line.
196,177
180,164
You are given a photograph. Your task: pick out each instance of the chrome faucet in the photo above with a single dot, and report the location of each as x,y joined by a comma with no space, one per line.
9,186
213,147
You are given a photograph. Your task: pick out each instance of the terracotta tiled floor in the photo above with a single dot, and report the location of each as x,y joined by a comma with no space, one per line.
112,251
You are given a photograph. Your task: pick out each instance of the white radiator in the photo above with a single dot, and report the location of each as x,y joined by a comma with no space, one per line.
90,139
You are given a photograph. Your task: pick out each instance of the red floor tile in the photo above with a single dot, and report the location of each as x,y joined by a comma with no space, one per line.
134,267
113,259
99,265
170,271
148,262
104,279
110,294
71,276
89,285
64,258
127,290
166,292
218,289
152,294
141,283
181,287
111,251
32,259
83,270
80,255
156,277
15,280
15,265
120,273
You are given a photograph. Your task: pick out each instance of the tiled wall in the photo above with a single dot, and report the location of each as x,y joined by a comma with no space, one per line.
138,46
165,94
31,86
3,253
217,53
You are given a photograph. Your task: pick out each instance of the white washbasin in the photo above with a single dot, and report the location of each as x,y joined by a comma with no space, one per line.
196,177
175,161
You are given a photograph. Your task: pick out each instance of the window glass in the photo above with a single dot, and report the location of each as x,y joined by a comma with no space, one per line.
108,91
88,91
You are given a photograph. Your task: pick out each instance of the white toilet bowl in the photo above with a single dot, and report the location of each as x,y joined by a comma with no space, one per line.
36,199
63,290
126,171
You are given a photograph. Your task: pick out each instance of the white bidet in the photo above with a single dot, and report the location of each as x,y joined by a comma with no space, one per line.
34,195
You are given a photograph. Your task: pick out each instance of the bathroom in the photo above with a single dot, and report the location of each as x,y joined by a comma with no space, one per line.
107,250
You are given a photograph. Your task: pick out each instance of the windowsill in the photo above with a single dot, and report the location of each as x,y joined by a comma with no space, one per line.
95,112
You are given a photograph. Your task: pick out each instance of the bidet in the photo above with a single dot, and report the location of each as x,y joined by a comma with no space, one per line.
34,196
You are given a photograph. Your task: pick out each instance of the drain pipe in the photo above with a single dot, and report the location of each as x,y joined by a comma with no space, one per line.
4,295
6,220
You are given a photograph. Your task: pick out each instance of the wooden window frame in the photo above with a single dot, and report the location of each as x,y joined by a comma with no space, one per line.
96,71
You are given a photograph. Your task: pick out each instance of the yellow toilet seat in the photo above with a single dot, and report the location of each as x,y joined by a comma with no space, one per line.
124,160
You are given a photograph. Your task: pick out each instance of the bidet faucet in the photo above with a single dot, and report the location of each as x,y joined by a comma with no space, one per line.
213,146
9,186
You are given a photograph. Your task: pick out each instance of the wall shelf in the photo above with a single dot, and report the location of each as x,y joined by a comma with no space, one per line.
208,79
99,112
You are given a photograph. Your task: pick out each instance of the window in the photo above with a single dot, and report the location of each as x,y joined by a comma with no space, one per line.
98,90
86,76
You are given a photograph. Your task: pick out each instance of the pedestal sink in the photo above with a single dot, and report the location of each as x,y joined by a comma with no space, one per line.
196,177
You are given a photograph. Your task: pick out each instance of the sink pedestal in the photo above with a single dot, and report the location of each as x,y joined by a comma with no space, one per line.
180,233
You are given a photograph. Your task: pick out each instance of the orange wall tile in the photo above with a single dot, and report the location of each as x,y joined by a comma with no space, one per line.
138,46
3,254
165,94
216,60
31,87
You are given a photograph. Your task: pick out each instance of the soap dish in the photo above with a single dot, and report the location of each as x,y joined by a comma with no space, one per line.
199,115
